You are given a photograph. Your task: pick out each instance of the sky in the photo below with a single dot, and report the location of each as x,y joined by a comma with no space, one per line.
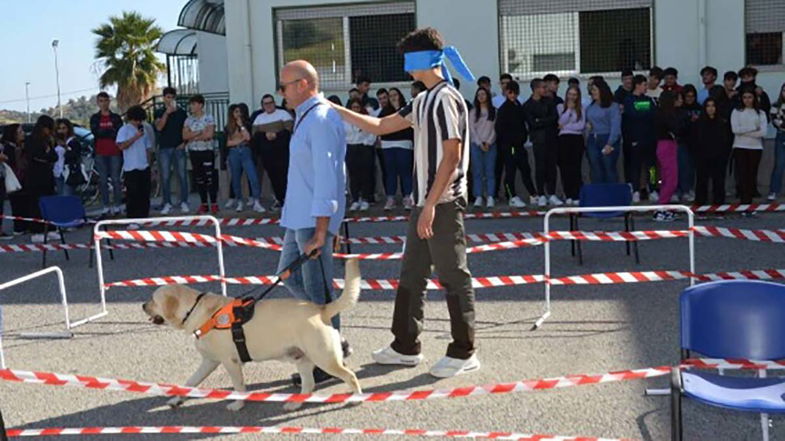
26,33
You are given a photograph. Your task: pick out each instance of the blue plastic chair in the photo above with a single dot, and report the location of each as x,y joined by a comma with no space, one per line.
61,212
605,195
731,319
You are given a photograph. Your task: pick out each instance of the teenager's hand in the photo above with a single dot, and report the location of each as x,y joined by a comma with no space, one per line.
607,150
271,136
425,222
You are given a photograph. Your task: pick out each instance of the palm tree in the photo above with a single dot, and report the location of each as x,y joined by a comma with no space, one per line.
126,49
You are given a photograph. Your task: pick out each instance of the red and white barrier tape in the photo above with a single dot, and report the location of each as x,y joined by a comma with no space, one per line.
127,430
777,236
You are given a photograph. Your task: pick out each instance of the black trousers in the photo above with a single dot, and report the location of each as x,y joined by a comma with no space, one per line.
515,158
746,169
205,175
35,193
545,167
570,159
639,162
360,162
708,169
627,160
275,162
137,193
20,206
383,168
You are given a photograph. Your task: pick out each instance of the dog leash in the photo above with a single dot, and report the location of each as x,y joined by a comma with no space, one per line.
292,267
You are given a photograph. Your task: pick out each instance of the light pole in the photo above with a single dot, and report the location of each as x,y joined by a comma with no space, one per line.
57,77
27,99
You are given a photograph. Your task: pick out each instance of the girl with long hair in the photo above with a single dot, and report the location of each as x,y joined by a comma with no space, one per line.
482,133
398,149
12,141
240,156
39,178
669,125
572,122
603,121
710,134
748,123
360,157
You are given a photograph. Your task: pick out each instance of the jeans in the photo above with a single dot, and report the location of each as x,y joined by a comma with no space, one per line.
307,283
168,157
779,163
483,164
603,167
399,163
241,158
668,160
63,189
686,169
109,166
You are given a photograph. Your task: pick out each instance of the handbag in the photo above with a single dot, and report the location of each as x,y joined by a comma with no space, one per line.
75,174
11,183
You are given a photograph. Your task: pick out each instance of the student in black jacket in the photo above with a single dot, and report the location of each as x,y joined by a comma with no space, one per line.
510,137
637,127
542,121
712,142
39,178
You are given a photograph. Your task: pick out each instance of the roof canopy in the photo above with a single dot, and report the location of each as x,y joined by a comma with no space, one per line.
177,42
203,15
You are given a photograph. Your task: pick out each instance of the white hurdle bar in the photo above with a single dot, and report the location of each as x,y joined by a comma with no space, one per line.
574,210
97,243
64,300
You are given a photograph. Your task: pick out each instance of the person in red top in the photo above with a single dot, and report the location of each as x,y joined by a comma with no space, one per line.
108,158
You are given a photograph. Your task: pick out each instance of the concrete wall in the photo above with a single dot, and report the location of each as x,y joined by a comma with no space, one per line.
212,53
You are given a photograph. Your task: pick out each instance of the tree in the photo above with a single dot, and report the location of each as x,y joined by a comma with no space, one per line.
126,48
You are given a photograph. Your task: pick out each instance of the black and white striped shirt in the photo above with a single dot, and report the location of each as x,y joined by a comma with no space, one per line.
438,114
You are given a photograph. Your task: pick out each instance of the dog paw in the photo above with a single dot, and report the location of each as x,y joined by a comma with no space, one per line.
235,406
175,402
292,405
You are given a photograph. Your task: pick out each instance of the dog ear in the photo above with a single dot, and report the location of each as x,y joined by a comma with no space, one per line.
169,309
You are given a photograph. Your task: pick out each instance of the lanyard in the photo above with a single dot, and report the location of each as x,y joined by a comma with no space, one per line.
299,121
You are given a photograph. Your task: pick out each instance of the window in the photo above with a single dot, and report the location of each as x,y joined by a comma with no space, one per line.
764,21
348,41
566,37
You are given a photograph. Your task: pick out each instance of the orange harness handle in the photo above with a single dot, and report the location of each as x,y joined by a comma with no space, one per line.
224,318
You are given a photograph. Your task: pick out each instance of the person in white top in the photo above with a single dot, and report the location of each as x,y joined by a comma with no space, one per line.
749,125
483,148
272,130
198,132
360,156
135,145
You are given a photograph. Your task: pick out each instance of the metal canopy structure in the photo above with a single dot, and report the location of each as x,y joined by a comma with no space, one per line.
203,15
178,42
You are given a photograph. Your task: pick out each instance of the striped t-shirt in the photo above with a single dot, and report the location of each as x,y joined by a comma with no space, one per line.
438,114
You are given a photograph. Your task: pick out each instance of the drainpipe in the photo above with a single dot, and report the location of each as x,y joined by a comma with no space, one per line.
249,46
702,34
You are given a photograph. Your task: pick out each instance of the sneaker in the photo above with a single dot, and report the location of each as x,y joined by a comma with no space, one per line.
166,209
117,210
355,206
749,214
478,202
555,201
516,202
576,202
636,197
450,367
276,207
37,238
654,196
408,203
533,200
134,227
184,208
542,201
389,355
202,209
771,197
257,207
230,203
239,207
364,206
490,202
19,233
690,197
662,216
568,201
390,204
674,199
53,235
104,211
214,209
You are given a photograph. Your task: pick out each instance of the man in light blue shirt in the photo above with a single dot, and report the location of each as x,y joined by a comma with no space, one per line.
315,202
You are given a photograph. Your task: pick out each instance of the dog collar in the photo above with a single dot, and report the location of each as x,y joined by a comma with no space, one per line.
188,314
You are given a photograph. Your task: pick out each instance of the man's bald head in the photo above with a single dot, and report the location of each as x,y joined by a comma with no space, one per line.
299,81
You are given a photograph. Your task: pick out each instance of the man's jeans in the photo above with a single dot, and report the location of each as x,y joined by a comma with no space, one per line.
168,157
306,282
110,166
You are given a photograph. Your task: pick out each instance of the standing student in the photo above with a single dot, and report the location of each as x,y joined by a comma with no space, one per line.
603,122
511,135
637,124
363,86
198,132
398,148
436,235
69,158
552,88
542,121
669,124
655,78
749,124
272,131
108,159
483,148
169,121
691,111
504,80
240,156
708,78
729,81
572,122
383,97
671,80
619,96
39,179
135,145
360,160
747,76
625,88
778,121
712,150
13,141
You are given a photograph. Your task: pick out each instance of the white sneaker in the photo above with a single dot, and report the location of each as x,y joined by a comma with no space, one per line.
636,196
576,202
542,201
690,197
390,204
408,203
450,367
533,200
568,201
516,202
654,196
355,206
771,197
53,235
364,206
104,211
674,199
167,209
276,207
389,355
230,203
257,207
478,202
116,210
555,201
240,206
490,203
184,207
37,238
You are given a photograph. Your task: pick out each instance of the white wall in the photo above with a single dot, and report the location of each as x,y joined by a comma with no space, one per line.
212,52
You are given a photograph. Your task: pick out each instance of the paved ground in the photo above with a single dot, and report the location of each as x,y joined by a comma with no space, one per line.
594,329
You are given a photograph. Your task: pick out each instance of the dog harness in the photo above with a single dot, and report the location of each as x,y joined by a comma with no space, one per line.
232,316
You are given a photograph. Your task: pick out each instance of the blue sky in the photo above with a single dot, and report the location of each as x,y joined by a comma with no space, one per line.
26,33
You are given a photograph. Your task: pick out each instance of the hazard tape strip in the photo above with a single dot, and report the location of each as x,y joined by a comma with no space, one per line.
127,430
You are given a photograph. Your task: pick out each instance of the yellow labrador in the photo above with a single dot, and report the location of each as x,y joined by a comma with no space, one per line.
281,329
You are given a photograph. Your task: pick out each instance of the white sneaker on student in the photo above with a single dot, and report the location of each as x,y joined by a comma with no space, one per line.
389,355
478,202
364,206
229,204
117,210
568,201
450,367
542,201
390,204
771,197
555,201
257,207
516,202
184,208
654,196
674,199
355,206
104,211
636,196
490,202
37,238
167,209
533,200
408,203
239,206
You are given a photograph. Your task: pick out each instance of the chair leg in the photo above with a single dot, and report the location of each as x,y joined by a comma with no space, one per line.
627,230
676,426
3,434
635,244
62,241
764,426
111,251
572,228
579,244
46,240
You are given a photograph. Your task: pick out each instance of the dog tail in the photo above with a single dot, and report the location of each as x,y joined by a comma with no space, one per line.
351,292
